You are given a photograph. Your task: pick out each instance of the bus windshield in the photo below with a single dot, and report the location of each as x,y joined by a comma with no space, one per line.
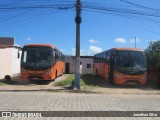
37,57
131,62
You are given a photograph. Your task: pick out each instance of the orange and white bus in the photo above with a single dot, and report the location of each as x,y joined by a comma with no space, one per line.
122,66
41,62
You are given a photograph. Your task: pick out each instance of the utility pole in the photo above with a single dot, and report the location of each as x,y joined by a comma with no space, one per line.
135,42
77,59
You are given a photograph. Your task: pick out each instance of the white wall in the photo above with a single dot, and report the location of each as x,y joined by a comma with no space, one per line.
5,62
71,61
9,63
85,61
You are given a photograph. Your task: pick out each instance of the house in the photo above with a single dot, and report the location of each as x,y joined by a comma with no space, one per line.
9,58
87,64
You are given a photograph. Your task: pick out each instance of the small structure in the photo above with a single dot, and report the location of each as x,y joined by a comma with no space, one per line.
9,58
87,64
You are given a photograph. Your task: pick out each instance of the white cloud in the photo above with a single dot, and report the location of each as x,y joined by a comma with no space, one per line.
91,51
94,49
120,40
28,39
93,41
83,52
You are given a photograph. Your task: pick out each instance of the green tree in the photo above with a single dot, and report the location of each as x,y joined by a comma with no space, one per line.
153,59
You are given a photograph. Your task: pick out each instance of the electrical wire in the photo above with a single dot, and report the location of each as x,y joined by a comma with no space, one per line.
122,10
25,8
139,5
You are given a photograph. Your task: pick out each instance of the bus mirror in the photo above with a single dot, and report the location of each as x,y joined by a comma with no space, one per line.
18,54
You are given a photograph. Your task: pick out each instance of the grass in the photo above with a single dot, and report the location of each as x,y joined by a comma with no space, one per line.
2,82
65,82
88,81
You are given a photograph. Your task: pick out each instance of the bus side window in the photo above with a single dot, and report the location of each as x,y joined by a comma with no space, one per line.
99,58
59,56
103,57
107,57
95,58
55,54
113,56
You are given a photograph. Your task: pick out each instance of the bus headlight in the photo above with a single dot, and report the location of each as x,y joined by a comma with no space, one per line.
119,75
48,72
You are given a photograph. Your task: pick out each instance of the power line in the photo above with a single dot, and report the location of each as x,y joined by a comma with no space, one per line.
122,10
11,3
25,8
29,10
139,5
29,21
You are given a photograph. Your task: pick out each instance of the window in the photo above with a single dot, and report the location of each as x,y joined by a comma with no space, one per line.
89,66
104,57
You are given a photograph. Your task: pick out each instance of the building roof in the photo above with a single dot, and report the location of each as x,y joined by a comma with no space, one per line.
10,46
7,41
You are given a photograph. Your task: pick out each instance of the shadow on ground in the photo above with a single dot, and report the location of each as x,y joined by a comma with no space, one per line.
25,83
88,79
94,80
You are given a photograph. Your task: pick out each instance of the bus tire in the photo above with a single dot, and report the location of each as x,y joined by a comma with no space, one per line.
7,78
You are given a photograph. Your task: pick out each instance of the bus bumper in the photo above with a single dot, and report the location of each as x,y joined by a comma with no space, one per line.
130,79
36,75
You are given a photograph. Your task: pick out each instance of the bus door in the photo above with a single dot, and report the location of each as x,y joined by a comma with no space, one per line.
106,67
111,68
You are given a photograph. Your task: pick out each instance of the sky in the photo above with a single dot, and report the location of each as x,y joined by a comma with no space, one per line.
100,30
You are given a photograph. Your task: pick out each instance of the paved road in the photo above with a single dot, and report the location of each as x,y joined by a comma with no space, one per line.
57,101
23,96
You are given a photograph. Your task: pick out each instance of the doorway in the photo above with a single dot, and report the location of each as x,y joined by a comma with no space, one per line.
67,68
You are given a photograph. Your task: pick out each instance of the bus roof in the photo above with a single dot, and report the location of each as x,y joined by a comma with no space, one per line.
127,49
42,45
122,49
38,45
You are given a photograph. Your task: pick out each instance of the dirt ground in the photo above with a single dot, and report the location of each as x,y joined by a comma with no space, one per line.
102,87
